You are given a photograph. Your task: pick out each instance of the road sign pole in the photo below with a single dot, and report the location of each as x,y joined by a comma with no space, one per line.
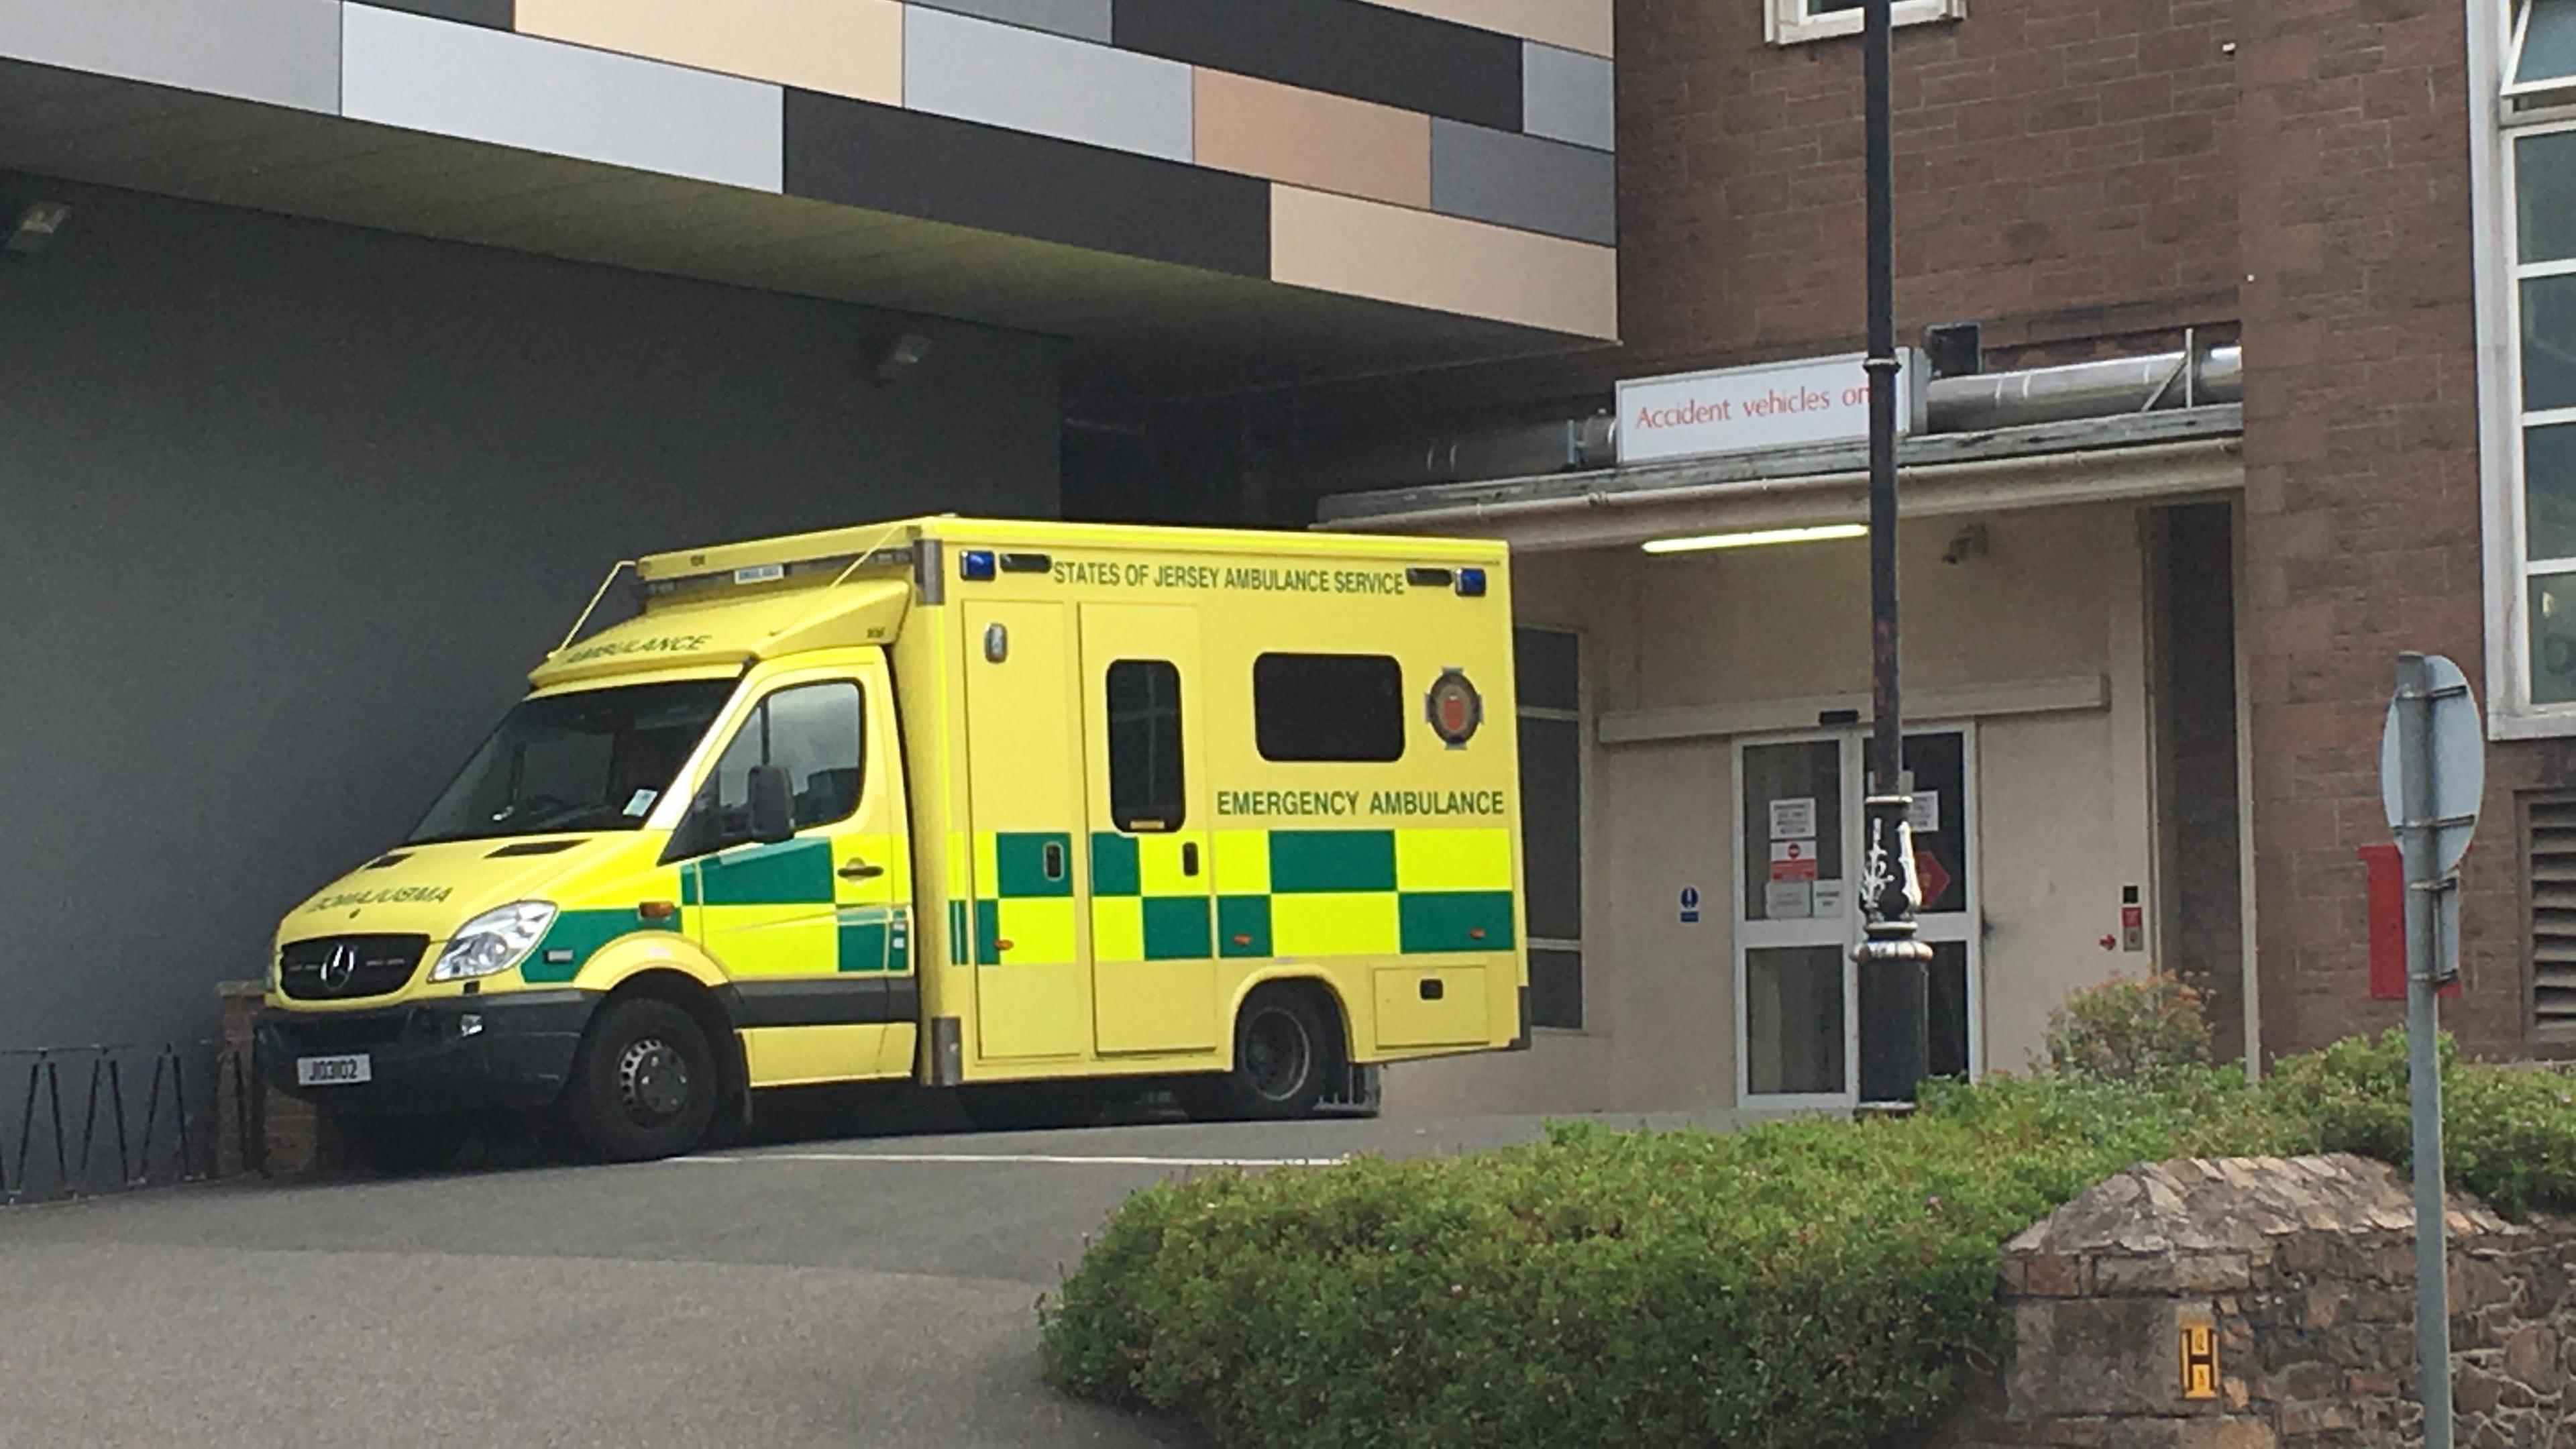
2418,846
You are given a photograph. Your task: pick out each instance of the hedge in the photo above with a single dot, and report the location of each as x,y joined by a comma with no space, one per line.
1818,1284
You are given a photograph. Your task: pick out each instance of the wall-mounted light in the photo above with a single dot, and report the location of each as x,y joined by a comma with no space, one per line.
1970,542
1817,533
34,228
901,357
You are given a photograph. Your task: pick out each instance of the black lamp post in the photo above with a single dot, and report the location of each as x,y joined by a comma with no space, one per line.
1892,962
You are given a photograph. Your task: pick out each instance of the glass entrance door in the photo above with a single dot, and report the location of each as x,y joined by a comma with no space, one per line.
1812,1029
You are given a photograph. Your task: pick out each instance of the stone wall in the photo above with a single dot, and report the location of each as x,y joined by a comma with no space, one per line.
2303,1269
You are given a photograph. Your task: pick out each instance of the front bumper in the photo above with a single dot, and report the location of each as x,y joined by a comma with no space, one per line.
423,1058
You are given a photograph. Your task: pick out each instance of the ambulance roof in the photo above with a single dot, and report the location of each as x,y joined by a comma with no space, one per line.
844,545
725,605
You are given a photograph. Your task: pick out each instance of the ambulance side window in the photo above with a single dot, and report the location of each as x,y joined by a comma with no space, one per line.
1328,707
1145,745
813,731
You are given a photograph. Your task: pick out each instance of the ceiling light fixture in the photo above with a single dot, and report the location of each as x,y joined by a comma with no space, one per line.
1817,533
34,228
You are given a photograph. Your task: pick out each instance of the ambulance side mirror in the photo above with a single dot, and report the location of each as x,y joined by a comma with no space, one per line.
773,804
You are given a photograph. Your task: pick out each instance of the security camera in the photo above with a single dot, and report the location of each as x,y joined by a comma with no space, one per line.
1968,543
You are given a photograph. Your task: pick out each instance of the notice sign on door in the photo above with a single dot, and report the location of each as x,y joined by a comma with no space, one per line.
1793,860
1793,818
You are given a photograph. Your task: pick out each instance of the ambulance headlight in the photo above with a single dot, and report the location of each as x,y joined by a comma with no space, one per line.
493,942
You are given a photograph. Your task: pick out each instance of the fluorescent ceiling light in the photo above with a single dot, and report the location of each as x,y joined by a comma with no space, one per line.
1816,534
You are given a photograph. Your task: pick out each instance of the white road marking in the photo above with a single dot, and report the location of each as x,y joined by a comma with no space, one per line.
1042,1159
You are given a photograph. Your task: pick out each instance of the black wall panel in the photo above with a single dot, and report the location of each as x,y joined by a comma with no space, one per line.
939,169
1366,51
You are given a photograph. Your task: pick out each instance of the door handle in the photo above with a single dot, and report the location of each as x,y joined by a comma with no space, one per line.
860,870
1189,857
1051,861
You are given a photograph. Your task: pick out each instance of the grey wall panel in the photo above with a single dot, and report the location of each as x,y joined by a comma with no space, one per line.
287,508
1082,19
1524,181
1568,96
461,80
282,52
1002,75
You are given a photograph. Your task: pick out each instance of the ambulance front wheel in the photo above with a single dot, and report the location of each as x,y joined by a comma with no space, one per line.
644,1084
1286,1050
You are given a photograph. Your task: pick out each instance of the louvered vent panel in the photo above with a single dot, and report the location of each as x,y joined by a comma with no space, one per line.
2550,857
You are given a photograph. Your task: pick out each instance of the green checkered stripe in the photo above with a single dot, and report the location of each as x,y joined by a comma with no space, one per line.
1016,871
1175,925
1347,864
1309,864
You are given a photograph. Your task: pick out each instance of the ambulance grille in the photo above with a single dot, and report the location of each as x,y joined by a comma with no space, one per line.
368,966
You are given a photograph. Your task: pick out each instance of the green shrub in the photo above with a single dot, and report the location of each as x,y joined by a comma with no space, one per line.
1816,1284
2127,1030
1803,1283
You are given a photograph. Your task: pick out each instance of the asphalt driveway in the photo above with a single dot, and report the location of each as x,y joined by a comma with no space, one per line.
859,1292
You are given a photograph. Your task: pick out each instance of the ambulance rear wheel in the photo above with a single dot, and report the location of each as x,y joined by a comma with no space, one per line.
645,1084
1285,1053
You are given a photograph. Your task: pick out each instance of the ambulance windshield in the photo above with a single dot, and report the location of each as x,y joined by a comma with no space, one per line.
595,760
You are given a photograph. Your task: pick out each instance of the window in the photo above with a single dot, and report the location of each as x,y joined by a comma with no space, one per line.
2531,436
595,760
1549,684
1145,745
1791,22
1344,708
813,732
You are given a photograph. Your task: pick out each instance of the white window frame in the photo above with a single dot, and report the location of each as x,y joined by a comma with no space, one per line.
1790,22
2503,113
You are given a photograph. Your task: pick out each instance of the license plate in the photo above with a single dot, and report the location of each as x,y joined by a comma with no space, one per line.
333,1071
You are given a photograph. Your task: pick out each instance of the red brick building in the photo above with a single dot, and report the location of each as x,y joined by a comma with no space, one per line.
2375,199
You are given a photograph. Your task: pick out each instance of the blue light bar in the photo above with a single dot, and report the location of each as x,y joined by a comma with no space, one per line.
1471,583
976,565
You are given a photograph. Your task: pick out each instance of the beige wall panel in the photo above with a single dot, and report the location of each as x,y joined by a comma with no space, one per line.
1792,621
2053,867
1369,249
2064,799
845,47
1331,143
1574,24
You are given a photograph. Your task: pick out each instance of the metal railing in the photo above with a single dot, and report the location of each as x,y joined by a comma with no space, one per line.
82,1121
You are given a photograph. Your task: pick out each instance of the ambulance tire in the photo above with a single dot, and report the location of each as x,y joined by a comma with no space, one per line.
645,1084
1285,1053
408,1143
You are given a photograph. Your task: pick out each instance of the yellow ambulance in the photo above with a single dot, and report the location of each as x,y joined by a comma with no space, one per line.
1033,811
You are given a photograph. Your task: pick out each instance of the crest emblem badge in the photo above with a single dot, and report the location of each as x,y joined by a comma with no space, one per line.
1454,708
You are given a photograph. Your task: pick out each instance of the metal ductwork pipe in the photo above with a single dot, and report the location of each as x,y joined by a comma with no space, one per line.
1517,450
1968,404
2086,390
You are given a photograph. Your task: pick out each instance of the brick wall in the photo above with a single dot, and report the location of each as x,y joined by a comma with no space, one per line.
2361,480
2064,169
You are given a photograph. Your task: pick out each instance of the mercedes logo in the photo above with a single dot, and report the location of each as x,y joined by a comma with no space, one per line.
339,967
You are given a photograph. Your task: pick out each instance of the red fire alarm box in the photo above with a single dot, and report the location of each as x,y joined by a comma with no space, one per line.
2388,924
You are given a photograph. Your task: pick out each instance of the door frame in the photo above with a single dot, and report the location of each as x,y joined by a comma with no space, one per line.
1964,926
